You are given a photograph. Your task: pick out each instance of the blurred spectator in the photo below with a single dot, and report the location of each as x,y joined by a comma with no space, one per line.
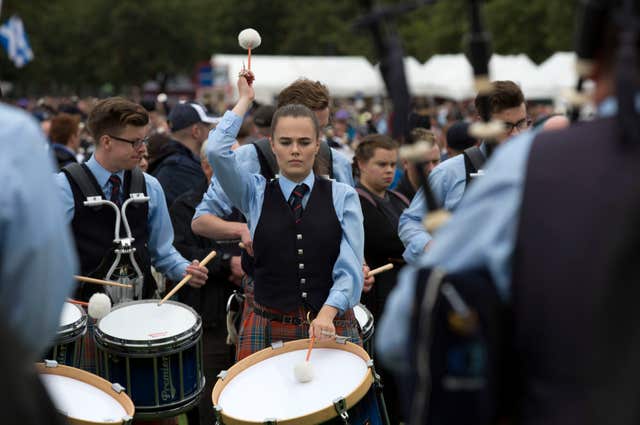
179,171
459,139
64,135
410,181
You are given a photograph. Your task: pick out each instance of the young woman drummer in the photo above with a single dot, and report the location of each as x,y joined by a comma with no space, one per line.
307,232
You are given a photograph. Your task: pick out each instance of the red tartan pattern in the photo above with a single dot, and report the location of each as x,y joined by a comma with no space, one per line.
258,333
89,348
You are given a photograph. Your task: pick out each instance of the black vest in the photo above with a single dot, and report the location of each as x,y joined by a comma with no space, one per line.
381,246
294,262
579,187
94,227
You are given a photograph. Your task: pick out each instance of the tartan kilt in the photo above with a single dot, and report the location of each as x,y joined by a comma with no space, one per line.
89,353
258,332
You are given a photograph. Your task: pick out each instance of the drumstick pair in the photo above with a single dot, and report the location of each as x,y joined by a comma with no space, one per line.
187,278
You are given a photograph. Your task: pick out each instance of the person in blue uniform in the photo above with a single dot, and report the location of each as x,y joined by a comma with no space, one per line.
560,248
307,232
449,179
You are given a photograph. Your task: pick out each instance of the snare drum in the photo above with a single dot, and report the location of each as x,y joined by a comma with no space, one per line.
84,398
68,345
365,323
262,388
155,352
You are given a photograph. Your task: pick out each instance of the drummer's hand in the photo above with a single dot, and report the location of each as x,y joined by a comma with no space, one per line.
245,90
245,237
368,281
322,326
199,274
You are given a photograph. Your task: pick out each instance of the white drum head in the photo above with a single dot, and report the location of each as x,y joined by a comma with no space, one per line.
79,400
71,313
147,321
361,316
269,388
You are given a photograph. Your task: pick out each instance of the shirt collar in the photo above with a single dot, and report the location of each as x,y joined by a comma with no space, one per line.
287,186
100,173
609,106
63,147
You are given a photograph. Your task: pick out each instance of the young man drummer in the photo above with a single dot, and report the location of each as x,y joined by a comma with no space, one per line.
307,232
119,127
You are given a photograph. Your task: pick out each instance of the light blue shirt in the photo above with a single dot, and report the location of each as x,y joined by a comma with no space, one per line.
216,202
447,181
164,257
37,257
246,192
481,233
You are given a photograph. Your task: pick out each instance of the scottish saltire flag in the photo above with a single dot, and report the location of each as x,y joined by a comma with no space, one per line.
14,40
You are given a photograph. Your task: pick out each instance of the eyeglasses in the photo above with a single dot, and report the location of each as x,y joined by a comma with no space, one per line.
135,143
521,125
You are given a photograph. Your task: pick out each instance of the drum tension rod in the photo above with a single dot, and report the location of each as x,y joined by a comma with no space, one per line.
340,404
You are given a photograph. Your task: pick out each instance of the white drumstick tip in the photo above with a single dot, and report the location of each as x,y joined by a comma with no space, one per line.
303,372
99,305
249,38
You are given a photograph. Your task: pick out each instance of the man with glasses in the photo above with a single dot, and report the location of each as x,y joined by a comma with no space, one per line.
449,180
179,170
119,128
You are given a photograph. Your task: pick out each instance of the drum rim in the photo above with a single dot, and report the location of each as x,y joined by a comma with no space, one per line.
156,343
315,417
71,330
96,381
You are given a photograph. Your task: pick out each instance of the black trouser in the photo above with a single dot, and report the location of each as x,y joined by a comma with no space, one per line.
217,356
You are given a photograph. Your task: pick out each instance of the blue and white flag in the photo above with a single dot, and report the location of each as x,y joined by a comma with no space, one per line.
14,40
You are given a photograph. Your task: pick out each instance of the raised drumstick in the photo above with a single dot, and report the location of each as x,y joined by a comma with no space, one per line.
101,282
249,39
380,269
187,278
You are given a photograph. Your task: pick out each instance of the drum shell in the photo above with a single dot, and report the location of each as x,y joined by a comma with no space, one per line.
69,342
88,378
164,377
362,404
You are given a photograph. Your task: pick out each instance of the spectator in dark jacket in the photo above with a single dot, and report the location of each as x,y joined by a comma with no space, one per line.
225,274
179,171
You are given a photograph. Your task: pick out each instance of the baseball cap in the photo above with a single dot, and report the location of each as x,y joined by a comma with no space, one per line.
458,137
185,114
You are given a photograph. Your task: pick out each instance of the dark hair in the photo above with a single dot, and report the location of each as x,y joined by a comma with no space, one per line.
312,94
63,126
113,114
504,95
367,149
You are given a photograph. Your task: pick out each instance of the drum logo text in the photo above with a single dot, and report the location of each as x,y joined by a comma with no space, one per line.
168,391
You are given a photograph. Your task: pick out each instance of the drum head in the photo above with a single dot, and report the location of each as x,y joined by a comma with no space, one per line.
71,313
148,321
83,397
259,388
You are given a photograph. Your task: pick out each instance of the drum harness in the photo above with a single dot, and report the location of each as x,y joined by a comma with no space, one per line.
122,247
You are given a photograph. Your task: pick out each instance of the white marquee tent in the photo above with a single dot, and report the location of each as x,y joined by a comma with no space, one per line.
448,76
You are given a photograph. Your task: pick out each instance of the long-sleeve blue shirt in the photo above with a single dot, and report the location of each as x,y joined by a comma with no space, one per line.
37,257
164,257
448,183
481,234
246,191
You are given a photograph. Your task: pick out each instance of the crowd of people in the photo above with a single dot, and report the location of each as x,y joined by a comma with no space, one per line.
302,198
